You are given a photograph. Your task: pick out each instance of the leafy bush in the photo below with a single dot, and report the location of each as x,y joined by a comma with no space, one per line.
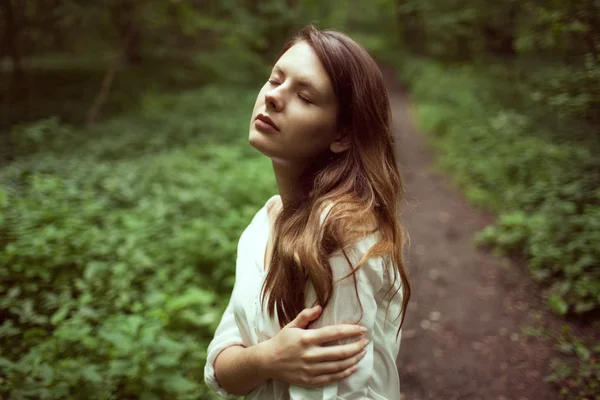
118,249
569,91
577,371
543,183
545,192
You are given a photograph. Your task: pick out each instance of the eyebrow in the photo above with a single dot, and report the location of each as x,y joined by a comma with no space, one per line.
303,82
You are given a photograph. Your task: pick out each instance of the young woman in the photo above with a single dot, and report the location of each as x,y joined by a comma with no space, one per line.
322,259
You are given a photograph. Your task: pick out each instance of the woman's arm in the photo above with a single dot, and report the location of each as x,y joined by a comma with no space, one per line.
234,370
239,370
344,308
231,369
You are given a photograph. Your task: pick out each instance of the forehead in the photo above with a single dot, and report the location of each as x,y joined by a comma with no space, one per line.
301,63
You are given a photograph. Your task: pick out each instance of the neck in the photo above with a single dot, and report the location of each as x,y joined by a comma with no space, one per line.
286,177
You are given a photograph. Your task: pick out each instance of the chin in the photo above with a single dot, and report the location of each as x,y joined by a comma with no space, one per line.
257,141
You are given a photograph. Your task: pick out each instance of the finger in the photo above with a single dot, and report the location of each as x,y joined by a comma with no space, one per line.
334,332
333,367
305,317
340,352
325,379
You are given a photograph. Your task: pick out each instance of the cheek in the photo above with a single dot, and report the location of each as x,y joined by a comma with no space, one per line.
312,133
318,126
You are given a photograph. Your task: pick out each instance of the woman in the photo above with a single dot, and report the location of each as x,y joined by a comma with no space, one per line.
330,240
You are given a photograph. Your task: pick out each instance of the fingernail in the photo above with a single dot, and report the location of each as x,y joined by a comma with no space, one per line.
363,329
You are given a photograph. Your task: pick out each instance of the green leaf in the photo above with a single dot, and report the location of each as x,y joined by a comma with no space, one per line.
564,287
582,351
122,343
179,384
46,372
6,363
566,347
90,372
532,331
192,297
583,307
121,368
60,314
207,319
167,360
558,304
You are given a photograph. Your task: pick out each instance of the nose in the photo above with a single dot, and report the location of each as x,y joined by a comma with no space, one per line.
273,100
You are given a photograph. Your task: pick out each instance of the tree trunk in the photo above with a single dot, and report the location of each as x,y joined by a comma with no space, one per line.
17,82
411,28
100,99
131,38
123,17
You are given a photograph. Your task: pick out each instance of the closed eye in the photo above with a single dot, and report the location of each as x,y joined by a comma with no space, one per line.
304,99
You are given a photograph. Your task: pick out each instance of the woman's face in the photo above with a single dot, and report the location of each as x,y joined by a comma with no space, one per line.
298,98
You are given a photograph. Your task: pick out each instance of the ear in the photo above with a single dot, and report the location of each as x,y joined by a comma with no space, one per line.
341,143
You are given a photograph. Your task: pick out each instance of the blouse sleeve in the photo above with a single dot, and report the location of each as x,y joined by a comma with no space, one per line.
343,307
227,334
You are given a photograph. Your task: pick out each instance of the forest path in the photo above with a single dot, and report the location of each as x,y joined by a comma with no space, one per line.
463,337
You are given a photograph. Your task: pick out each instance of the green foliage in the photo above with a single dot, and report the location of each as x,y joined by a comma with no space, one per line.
164,46
117,247
510,93
557,42
116,239
543,184
576,372
545,192
570,91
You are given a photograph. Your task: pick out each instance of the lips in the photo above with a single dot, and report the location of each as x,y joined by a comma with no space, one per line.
267,120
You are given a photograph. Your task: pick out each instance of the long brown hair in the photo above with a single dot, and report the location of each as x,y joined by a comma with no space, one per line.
362,185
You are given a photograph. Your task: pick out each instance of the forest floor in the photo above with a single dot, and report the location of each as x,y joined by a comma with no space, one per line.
463,336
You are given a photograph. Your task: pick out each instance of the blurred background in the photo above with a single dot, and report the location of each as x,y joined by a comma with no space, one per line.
127,179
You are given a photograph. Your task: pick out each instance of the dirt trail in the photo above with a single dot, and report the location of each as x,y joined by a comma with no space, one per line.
463,336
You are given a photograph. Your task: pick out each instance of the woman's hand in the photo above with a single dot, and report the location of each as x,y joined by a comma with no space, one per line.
298,355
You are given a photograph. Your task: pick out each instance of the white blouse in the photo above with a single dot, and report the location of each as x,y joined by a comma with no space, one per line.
245,323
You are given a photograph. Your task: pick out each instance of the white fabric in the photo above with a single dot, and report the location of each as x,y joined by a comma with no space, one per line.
244,323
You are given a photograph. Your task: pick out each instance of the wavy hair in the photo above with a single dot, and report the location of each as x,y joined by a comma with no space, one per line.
362,185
